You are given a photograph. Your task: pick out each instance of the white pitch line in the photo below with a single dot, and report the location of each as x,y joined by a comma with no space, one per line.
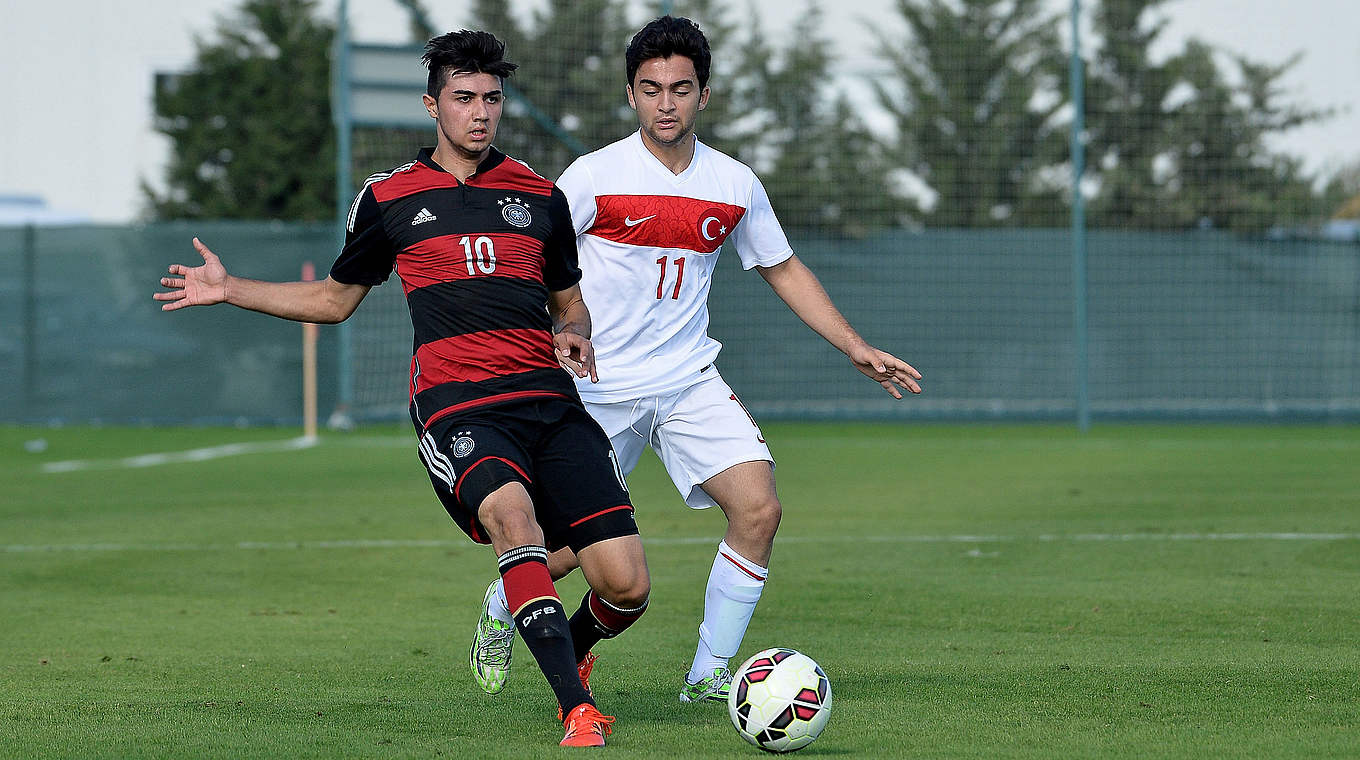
180,457
463,544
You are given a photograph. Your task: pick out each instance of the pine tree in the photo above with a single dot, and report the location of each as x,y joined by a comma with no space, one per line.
1182,142
572,56
721,126
819,163
250,125
1128,123
977,93
1228,177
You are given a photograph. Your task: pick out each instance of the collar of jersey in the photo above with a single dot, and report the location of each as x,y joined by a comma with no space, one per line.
655,163
492,160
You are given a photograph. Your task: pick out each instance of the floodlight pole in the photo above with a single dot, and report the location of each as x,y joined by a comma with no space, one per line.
1077,75
340,115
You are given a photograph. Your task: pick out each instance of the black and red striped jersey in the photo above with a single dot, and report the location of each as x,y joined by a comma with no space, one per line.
476,260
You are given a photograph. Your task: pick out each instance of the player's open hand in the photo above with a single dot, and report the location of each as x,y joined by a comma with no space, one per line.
195,286
887,370
575,354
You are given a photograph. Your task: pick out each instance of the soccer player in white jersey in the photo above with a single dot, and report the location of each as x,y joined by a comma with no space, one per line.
651,212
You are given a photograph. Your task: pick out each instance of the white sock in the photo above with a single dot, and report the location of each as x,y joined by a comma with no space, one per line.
734,587
498,608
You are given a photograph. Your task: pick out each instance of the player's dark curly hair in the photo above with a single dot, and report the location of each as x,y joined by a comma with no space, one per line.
668,36
464,52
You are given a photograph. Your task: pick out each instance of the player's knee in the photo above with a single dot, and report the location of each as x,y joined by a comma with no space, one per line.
761,517
635,595
628,589
510,522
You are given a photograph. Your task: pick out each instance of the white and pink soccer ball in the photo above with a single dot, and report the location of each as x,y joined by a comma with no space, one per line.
780,700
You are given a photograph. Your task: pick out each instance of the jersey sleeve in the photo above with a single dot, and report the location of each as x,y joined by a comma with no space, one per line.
560,269
368,255
579,188
759,239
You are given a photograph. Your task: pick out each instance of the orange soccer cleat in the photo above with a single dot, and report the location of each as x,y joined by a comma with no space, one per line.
583,669
586,727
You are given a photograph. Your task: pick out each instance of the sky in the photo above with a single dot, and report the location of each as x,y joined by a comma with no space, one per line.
77,77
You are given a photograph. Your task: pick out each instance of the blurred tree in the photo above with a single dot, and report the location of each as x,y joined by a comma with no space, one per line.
1127,120
1182,142
721,126
818,161
572,55
1341,196
978,86
1228,176
250,125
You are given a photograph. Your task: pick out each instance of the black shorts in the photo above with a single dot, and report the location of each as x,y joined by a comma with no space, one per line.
550,445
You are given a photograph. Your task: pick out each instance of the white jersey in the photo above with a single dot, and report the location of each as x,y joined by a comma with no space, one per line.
648,242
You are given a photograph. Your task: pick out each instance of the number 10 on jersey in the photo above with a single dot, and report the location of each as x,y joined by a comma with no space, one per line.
485,258
679,262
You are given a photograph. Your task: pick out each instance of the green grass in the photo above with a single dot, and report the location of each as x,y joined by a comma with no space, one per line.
1107,605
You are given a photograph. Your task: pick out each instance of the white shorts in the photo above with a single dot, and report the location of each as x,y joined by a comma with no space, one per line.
697,432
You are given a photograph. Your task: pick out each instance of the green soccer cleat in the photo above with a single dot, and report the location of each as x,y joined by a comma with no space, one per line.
712,689
491,647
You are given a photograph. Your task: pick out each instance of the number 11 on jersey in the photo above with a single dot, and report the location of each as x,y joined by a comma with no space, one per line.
679,262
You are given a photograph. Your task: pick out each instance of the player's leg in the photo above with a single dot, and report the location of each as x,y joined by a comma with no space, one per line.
715,454
483,474
583,502
628,425
736,580
494,638
616,570
509,518
583,483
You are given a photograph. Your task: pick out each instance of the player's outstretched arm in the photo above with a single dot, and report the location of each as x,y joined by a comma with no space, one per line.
324,301
571,332
793,282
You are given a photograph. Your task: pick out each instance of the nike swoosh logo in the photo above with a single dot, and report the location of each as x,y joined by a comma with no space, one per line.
635,222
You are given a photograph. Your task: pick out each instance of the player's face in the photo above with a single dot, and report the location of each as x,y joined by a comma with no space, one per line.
665,93
467,112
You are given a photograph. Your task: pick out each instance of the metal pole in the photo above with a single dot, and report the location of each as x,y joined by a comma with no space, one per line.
666,7
30,318
1079,224
344,192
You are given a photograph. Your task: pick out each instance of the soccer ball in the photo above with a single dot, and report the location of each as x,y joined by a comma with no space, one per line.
780,700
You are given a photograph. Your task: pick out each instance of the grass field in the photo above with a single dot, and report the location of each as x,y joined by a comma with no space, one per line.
972,592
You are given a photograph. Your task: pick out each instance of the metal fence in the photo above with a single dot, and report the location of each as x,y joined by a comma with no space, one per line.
1181,325
1185,280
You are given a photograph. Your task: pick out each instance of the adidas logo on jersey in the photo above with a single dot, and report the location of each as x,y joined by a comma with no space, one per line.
423,216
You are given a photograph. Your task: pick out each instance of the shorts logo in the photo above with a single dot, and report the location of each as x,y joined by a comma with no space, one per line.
464,445
515,212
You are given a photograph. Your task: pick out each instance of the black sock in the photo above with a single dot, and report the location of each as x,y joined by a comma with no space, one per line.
542,622
598,619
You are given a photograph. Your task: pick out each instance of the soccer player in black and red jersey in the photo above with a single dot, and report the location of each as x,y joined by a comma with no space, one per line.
481,244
